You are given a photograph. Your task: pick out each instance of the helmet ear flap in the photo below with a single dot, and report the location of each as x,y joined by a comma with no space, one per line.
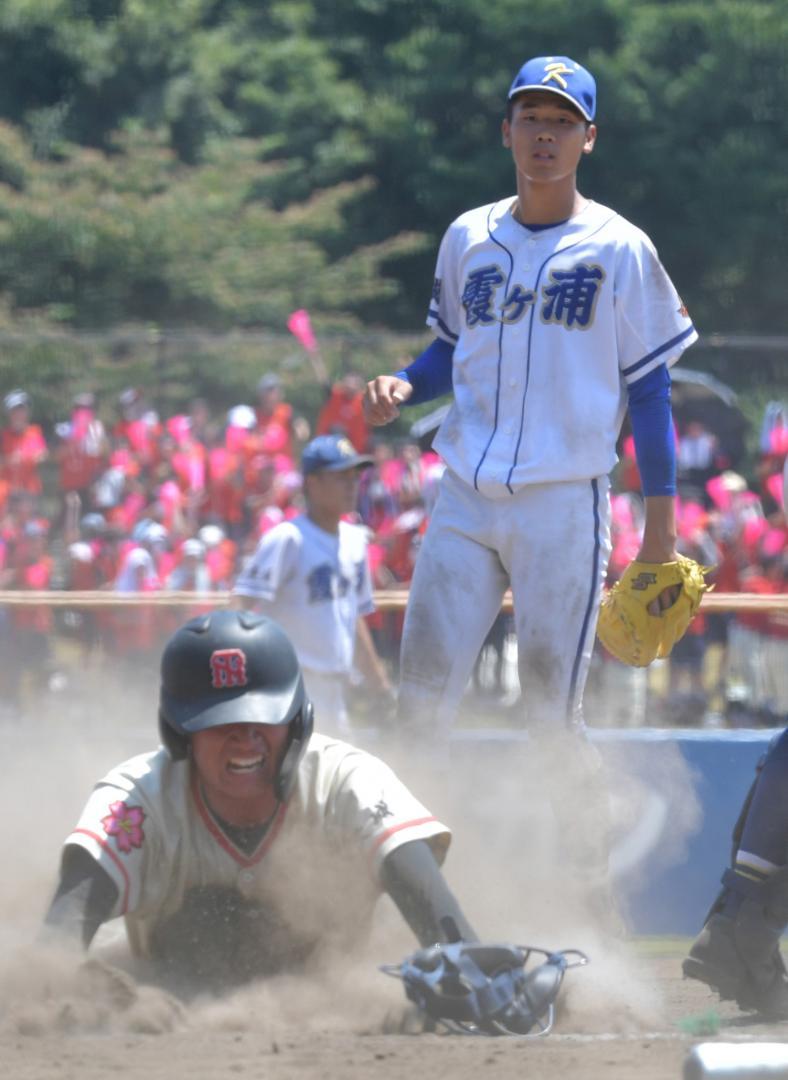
177,746
301,727
307,720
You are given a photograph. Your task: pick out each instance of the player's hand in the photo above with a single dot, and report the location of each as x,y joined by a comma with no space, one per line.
658,545
666,599
131,1006
659,550
656,554
383,397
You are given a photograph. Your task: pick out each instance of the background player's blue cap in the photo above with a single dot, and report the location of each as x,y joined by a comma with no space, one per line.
331,453
559,75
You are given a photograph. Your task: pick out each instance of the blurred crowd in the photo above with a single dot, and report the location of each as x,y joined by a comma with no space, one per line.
119,498
730,667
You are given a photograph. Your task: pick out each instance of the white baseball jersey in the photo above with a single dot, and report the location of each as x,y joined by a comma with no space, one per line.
318,583
316,869
548,327
138,566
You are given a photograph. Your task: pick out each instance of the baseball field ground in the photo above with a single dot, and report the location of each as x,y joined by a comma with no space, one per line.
627,1013
287,1032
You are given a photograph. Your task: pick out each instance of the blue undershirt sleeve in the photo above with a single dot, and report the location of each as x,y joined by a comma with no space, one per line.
430,373
652,429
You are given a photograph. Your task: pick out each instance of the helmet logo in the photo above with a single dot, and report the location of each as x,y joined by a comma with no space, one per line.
228,668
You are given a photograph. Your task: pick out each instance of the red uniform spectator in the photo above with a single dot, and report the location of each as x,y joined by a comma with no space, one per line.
188,459
275,419
29,645
22,446
21,512
343,412
83,450
220,556
138,428
33,573
224,476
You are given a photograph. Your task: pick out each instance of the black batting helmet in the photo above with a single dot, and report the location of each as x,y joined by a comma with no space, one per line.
233,667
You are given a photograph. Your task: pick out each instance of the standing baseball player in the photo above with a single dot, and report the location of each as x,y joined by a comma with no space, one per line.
552,316
246,843
311,574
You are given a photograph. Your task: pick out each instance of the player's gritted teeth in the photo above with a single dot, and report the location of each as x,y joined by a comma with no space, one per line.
246,765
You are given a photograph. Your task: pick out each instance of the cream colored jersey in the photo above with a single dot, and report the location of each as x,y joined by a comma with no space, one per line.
316,869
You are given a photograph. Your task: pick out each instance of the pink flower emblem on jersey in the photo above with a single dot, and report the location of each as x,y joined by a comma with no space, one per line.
125,824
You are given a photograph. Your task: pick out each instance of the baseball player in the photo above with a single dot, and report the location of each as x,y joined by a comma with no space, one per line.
552,315
312,575
245,843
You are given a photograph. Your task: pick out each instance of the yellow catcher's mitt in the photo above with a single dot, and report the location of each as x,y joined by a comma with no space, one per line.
626,627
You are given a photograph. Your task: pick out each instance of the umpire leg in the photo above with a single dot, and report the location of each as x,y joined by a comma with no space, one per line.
737,953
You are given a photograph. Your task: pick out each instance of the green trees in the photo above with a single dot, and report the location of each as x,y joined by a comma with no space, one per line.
220,162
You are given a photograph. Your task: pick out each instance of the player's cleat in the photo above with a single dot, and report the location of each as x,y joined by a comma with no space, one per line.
742,962
714,960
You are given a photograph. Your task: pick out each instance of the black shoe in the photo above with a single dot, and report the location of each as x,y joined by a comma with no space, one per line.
716,959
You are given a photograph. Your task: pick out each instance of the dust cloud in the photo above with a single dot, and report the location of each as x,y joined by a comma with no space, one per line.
534,829
53,760
518,867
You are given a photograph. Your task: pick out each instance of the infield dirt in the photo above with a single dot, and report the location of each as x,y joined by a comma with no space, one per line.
628,1013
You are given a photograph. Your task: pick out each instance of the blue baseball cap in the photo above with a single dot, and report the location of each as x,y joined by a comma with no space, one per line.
331,453
559,75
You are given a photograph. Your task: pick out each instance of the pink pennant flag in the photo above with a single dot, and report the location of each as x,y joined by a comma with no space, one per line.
300,326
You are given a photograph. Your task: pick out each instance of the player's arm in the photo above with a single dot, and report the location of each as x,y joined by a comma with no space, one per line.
84,899
655,450
258,583
428,377
367,658
411,876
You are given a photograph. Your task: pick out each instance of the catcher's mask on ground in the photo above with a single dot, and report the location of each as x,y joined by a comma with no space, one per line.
233,667
477,989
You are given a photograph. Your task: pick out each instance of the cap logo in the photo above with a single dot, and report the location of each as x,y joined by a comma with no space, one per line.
557,70
345,448
228,668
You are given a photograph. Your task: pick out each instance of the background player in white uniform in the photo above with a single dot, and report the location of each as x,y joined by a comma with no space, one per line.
246,842
552,314
312,575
